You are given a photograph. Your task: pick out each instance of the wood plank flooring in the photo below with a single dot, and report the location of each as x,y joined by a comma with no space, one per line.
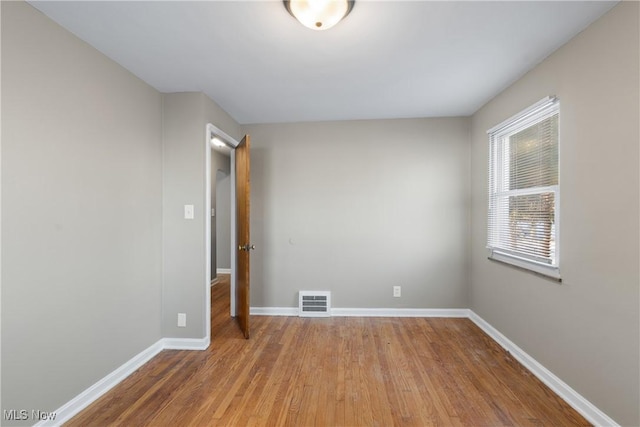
337,371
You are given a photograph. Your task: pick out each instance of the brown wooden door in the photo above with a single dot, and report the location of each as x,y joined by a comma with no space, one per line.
243,190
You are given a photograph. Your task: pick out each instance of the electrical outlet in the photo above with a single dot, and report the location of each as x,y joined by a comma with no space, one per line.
397,291
182,320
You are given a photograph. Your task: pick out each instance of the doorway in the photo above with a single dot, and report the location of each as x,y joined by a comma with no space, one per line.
211,170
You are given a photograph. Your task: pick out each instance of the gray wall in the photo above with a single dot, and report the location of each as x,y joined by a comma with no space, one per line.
353,207
81,213
220,168
185,116
183,240
223,220
586,329
357,207
97,260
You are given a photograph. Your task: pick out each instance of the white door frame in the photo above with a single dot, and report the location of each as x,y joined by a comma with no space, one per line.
210,131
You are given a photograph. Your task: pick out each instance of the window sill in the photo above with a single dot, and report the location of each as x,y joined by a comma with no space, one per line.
545,271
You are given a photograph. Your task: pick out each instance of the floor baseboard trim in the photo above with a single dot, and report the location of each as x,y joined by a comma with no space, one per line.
185,343
90,395
569,395
562,389
400,312
93,393
223,271
367,312
274,311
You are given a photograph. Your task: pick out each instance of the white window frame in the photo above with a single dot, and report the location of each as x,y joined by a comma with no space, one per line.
538,112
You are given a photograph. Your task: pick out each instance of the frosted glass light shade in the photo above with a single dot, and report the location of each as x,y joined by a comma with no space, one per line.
217,142
319,14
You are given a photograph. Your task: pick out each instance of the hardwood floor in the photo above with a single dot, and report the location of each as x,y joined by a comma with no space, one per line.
337,371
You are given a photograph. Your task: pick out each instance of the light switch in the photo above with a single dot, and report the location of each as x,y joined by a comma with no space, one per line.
188,211
213,212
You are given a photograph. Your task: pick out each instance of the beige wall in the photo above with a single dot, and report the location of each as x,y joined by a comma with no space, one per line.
356,207
585,330
81,213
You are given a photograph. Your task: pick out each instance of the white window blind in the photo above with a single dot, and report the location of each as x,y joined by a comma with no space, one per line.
523,189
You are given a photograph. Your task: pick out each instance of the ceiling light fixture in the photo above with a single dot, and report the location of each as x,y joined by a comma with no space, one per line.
319,14
217,142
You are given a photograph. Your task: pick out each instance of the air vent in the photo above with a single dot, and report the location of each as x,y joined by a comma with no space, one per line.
314,304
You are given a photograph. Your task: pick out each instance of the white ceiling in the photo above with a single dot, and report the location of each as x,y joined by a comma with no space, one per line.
387,59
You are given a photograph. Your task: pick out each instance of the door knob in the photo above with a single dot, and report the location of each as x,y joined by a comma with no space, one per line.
246,247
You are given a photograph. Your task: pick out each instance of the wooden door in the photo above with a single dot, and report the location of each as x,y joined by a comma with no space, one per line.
243,190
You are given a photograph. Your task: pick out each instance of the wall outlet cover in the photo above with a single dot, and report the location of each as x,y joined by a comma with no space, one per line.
182,320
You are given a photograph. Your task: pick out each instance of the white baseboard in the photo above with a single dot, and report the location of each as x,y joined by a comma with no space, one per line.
223,271
367,312
569,395
186,343
90,395
400,312
274,311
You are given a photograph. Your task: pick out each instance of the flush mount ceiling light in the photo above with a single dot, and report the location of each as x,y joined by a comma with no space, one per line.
319,14
217,142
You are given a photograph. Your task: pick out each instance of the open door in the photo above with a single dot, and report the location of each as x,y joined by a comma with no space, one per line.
243,190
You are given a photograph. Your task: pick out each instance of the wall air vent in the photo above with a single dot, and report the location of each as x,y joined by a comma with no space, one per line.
314,304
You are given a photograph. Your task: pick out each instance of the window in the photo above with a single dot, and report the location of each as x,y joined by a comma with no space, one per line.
523,189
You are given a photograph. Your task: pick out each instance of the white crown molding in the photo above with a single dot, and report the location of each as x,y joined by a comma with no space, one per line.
562,389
